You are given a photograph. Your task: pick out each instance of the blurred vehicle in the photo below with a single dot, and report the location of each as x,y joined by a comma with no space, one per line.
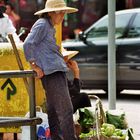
92,46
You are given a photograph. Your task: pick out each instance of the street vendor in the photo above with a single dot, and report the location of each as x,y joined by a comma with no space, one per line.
79,100
45,58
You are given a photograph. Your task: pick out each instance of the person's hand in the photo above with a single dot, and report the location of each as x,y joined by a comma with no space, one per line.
39,72
72,65
37,69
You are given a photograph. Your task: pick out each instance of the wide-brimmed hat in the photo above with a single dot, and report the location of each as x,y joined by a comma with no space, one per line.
56,5
69,54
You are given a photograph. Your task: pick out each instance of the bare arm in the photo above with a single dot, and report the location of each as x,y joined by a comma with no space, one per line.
16,16
72,65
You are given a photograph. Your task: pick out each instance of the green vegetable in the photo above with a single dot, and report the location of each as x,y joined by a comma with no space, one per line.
88,135
118,132
86,119
108,129
118,120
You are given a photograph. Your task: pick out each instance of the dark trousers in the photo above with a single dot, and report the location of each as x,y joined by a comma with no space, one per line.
59,106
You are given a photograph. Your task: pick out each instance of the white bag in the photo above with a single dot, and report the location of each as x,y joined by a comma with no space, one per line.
25,135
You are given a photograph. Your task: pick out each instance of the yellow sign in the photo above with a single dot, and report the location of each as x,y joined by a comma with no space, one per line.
14,99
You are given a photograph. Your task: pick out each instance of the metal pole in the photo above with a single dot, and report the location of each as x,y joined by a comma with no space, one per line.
111,55
33,135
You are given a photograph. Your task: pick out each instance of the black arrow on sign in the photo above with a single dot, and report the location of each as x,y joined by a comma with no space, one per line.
10,91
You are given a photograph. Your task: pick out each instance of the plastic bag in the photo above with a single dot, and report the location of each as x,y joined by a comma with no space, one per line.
43,131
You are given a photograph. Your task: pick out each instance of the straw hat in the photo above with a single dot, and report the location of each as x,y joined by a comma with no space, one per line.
56,5
69,54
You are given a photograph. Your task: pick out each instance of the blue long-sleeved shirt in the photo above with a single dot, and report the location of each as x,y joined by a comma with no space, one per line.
40,46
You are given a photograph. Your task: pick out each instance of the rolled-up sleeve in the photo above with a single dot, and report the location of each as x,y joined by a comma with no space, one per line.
36,35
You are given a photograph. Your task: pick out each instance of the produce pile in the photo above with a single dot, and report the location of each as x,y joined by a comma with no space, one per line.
114,128
108,131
